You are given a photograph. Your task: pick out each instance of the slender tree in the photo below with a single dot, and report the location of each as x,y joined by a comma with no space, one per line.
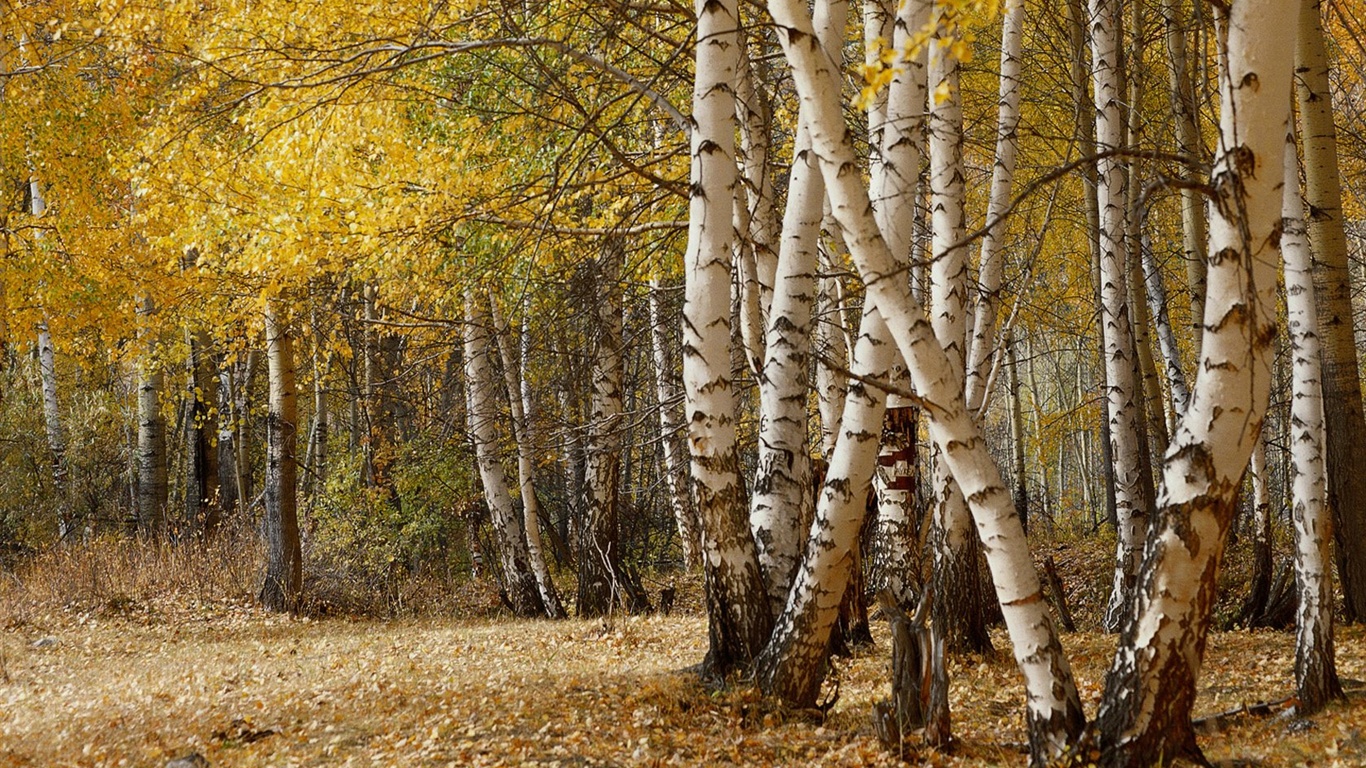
1316,678
283,586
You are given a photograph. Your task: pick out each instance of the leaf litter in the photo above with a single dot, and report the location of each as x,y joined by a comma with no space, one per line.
241,687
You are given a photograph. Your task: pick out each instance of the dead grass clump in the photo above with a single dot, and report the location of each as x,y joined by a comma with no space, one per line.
117,576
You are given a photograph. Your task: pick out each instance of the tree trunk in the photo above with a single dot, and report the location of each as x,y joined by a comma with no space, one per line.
1316,677
201,426
1017,436
1144,715
991,261
522,593
1131,506
670,431
56,434
1193,226
1259,591
793,665
152,475
960,607
1342,400
739,618
781,503
52,414
895,186
1054,709
602,582
228,498
283,587
519,401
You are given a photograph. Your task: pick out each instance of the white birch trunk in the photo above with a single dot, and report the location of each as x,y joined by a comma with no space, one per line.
959,609
1342,398
991,260
1145,712
519,403
895,186
1054,710
482,406
1166,335
670,430
793,665
737,603
1316,678
781,506
52,414
1131,512
153,483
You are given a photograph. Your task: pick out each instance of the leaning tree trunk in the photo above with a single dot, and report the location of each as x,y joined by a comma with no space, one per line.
153,483
519,582
1316,677
793,666
519,402
1054,714
739,618
1131,506
781,506
1145,713
1342,400
283,587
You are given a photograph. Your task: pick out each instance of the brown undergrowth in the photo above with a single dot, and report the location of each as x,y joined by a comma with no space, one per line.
138,673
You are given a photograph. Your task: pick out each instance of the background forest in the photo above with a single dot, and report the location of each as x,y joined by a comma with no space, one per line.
455,309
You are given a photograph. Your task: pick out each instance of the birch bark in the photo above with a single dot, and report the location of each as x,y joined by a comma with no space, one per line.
152,474
1131,509
1054,713
1316,677
739,617
1342,400
519,581
1144,716
519,403
670,429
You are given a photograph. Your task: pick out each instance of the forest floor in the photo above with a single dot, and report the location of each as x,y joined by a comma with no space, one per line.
141,679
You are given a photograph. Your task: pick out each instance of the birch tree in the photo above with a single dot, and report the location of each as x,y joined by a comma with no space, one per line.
152,473
1342,400
670,429
519,581
1054,713
519,402
738,613
1144,715
1316,679
1131,506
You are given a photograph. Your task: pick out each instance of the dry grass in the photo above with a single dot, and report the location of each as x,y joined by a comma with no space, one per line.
95,680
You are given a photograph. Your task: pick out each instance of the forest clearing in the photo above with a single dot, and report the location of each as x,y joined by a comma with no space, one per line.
118,679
